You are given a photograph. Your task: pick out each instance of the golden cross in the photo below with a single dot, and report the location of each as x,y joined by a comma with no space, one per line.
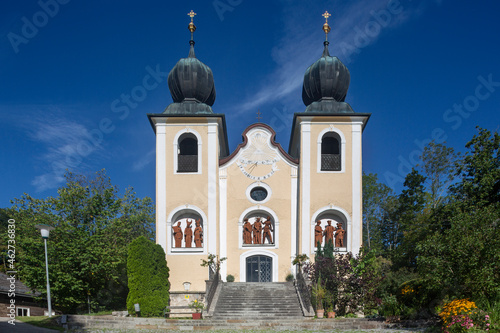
191,15
326,27
259,115
326,15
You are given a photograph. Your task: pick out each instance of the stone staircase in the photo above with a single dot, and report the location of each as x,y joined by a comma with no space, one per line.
258,301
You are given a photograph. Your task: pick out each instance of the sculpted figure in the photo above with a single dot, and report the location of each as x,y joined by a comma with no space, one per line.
247,232
177,234
339,235
188,234
257,231
268,231
318,233
198,234
328,233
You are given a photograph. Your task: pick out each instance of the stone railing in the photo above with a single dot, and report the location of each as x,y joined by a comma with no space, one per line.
303,291
212,287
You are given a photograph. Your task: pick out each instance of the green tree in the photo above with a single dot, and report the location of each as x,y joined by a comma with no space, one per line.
479,171
463,258
147,278
438,163
88,247
376,197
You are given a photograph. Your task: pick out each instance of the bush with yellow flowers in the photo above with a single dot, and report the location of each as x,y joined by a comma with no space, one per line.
462,315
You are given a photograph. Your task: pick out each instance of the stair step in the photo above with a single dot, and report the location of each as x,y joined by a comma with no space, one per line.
257,300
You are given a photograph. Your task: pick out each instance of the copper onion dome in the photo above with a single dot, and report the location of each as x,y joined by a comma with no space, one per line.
326,82
191,83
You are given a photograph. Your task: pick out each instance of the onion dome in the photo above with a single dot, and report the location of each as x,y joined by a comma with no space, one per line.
191,83
326,82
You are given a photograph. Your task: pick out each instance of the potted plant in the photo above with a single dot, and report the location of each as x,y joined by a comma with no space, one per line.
330,313
198,307
319,292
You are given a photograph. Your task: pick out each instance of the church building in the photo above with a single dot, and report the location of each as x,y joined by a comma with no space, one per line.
259,205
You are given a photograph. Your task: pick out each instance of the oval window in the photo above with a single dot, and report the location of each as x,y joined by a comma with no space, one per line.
258,193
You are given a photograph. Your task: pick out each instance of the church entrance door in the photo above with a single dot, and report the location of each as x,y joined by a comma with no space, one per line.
259,269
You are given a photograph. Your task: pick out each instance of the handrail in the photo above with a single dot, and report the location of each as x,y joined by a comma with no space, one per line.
212,289
304,294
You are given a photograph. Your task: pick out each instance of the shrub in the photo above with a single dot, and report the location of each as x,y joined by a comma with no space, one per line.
289,277
230,278
147,278
461,315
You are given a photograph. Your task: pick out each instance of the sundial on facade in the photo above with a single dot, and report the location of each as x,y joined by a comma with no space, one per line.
258,161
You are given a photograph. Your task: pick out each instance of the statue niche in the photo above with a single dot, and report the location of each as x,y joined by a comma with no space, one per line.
258,233
330,229
183,234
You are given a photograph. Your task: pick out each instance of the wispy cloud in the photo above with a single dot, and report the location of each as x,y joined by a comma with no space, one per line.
65,145
354,26
144,161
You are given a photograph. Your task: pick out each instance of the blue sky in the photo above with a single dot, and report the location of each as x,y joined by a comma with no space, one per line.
424,69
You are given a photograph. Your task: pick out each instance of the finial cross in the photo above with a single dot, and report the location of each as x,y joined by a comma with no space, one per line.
259,117
191,15
326,15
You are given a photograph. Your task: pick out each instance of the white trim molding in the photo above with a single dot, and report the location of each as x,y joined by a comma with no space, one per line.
213,182
258,252
343,141
305,185
175,150
175,215
356,239
161,184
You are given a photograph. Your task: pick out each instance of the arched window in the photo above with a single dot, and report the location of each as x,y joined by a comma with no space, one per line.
187,153
331,152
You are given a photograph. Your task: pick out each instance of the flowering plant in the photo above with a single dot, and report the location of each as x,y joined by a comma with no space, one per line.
197,305
462,315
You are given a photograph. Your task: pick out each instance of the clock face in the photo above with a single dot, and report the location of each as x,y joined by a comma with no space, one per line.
258,161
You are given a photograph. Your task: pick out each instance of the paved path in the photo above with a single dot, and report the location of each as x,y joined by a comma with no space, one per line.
21,327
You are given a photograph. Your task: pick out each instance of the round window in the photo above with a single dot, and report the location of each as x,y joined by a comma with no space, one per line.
258,193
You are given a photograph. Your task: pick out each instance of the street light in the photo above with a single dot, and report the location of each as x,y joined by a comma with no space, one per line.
45,230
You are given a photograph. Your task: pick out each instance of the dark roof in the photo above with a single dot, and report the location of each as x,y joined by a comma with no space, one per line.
191,84
325,85
21,288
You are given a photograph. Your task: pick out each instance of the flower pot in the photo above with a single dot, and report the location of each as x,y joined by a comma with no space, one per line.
331,314
196,315
320,313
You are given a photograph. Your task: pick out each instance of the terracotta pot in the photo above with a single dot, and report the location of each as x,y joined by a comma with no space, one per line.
331,314
196,315
320,313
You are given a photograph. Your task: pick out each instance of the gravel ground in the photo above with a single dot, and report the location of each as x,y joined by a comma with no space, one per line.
250,331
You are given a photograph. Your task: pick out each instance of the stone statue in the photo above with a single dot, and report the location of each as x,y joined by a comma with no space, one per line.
257,231
177,234
328,233
339,235
188,234
268,230
198,234
318,233
247,232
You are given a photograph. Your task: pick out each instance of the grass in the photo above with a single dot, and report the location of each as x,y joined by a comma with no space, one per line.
42,321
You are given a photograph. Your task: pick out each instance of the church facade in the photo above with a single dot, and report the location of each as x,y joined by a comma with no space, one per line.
259,206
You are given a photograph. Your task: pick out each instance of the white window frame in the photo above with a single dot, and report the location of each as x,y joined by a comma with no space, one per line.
343,142
176,150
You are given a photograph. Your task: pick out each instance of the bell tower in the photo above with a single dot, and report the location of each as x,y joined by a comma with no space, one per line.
190,140
326,139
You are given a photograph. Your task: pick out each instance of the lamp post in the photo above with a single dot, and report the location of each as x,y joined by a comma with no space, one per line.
45,230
